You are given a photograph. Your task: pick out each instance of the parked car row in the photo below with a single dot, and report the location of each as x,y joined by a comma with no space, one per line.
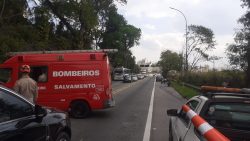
133,77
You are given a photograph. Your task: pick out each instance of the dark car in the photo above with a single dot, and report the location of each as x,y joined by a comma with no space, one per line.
127,78
21,120
165,81
159,78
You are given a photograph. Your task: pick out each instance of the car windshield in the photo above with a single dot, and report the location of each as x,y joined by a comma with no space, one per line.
126,71
118,71
229,115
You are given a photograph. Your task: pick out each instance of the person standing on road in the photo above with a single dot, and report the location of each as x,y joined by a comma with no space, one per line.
26,86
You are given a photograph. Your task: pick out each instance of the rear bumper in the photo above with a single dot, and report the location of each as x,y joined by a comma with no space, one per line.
109,103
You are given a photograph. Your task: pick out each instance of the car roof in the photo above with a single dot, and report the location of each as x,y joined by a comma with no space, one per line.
6,88
224,96
13,93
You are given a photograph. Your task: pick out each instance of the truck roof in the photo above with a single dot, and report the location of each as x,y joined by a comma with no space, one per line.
61,55
55,57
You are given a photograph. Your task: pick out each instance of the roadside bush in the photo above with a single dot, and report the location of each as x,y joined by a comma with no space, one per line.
216,78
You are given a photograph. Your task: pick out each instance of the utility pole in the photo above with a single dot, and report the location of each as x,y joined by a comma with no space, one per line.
185,65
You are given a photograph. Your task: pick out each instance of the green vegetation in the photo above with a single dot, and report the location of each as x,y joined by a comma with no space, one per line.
216,78
170,61
31,25
200,40
186,92
239,51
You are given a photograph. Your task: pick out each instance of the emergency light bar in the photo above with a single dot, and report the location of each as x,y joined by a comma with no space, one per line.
226,94
62,51
224,89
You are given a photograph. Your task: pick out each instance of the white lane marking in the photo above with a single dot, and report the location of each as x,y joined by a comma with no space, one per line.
147,131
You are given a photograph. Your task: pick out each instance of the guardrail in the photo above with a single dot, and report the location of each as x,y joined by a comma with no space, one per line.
191,86
207,131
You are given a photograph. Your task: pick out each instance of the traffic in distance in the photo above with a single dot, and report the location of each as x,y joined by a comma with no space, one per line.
125,75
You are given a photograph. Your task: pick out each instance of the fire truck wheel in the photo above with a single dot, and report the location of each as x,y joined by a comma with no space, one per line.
79,109
63,137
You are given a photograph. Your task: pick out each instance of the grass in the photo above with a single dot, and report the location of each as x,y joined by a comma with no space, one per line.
186,92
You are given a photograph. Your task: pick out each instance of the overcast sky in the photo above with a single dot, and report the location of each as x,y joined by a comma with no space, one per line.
164,28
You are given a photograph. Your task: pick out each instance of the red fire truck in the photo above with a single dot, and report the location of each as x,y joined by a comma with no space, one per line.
77,81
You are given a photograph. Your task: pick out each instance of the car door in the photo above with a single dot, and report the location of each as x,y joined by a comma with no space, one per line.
17,119
182,123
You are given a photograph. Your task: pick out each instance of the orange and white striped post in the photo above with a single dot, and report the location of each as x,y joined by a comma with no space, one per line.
207,131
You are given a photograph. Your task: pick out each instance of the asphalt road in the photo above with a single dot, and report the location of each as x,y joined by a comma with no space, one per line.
129,118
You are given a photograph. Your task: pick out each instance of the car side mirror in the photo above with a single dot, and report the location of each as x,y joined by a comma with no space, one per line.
172,112
40,112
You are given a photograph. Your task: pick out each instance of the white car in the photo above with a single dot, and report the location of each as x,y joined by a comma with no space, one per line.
140,76
134,77
229,113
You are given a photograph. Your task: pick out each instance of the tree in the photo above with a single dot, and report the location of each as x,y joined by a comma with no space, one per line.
170,61
200,40
16,30
121,36
28,25
239,52
213,59
84,19
79,17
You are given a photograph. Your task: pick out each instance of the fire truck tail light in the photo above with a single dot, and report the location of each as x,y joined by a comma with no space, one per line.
108,93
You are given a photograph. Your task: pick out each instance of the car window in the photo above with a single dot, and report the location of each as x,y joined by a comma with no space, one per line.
229,115
39,73
12,107
183,116
193,104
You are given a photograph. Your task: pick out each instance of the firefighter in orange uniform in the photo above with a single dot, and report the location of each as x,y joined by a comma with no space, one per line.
26,86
